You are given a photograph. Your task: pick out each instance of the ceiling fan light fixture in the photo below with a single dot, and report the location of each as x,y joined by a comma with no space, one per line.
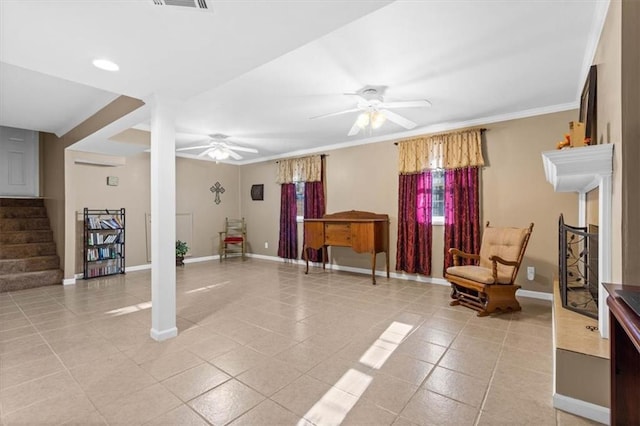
363,120
377,119
218,154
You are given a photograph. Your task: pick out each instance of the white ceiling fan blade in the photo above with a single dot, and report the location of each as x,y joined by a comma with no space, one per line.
242,148
193,147
234,155
331,114
205,152
355,129
398,119
421,103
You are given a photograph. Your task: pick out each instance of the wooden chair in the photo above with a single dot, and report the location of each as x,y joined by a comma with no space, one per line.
234,238
489,285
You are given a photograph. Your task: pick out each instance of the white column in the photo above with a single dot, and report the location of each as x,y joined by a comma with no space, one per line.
163,219
582,209
604,252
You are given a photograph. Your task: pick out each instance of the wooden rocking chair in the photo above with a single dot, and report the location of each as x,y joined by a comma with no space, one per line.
489,286
234,238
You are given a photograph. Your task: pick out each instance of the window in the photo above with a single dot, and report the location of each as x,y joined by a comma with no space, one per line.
300,201
437,197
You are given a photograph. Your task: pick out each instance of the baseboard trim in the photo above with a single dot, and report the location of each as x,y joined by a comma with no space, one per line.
164,334
69,281
201,259
535,294
137,267
582,408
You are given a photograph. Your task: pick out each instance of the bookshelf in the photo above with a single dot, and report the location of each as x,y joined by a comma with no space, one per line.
103,242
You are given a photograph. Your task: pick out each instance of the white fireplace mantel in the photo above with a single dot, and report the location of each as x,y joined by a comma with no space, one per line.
581,170
578,169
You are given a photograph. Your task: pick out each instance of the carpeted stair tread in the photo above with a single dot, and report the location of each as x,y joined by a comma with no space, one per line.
22,212
21,202
26,280
24,224
24,237
21,251
28,254
31,264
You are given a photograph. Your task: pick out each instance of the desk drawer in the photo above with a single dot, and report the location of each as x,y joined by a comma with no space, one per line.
337,234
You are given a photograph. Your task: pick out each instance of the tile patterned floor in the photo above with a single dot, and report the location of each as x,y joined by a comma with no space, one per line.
261,343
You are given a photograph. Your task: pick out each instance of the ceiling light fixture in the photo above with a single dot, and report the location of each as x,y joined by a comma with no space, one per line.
377,119
374,118
363,120
105,64
218,154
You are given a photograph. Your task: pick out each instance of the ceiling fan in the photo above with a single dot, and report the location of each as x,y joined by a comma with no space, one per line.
374,111
218,148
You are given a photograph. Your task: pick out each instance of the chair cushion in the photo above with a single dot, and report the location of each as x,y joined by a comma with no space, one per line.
503,242
233,240
478,273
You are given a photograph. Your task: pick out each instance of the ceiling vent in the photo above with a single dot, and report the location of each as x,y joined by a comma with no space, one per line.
191,4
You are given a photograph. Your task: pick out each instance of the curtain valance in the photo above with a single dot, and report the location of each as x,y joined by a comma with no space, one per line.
304,169
442,151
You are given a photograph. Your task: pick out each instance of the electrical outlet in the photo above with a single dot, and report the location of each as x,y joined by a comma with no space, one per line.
266,244
531,273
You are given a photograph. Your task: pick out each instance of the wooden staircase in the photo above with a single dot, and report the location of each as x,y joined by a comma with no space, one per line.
28,256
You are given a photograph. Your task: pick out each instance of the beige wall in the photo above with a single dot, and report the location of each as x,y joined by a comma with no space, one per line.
263,217
515,193
88,188
52,188
630,89
583,377
193,180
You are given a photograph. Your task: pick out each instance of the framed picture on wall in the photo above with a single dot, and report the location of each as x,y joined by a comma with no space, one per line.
588,102
257,192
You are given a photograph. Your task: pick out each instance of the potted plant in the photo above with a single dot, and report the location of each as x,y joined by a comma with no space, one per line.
181,249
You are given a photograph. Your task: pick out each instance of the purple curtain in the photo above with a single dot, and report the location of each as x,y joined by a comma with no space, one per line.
413,252
461,212
288,243
314,209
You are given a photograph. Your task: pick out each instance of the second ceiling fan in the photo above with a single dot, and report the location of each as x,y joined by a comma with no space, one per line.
218,148
374,111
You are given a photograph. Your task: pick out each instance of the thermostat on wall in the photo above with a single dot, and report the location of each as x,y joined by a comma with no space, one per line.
112,180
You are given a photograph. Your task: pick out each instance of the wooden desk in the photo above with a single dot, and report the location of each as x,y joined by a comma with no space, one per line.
624,338
364,232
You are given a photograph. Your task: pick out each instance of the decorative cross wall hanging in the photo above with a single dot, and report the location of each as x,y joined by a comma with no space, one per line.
217,189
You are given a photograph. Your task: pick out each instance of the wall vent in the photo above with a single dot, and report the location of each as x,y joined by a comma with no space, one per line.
192,4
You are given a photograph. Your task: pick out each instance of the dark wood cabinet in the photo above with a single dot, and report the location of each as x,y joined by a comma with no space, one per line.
624,338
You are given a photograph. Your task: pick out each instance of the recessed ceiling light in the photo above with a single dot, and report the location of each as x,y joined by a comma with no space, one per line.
105,64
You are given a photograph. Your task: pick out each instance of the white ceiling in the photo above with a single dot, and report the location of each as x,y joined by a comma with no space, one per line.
258,70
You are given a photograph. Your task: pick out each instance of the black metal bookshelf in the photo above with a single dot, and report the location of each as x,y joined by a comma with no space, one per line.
104,249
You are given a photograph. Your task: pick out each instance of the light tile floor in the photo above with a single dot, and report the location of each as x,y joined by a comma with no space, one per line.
260,343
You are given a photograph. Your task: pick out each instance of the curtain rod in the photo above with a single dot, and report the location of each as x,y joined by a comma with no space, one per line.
321,156
482,130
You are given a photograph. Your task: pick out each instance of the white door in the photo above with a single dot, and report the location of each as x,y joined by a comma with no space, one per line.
18,162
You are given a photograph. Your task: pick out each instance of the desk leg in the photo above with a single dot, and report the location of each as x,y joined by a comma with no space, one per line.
324,256
306,258
373,268
386,253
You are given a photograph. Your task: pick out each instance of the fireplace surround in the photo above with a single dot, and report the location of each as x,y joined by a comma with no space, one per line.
581,170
